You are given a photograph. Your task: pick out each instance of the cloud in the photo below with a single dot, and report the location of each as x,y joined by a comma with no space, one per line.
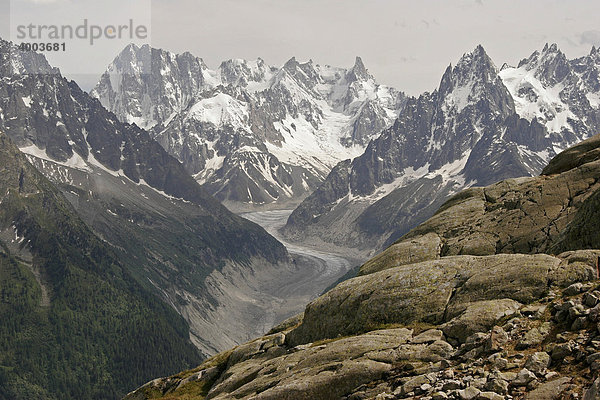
590,37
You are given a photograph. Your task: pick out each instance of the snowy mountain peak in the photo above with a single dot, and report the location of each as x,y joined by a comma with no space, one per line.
553,48
291,64
594,56
139,75
549,66
240,72
298,81
474,64
358,71
473,79
552,66
303,72
27,62
472,67
133,60
561,94
250,132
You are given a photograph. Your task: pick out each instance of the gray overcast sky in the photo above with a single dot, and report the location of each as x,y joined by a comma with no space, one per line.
405,44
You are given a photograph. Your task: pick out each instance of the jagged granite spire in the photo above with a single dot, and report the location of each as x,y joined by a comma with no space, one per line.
358,71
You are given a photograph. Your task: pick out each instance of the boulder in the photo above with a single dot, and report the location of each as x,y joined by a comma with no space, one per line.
523,215
329,370
534,336
552,390
410,293
573,289
524,377
593,392
497,384
538,362
479,317
560,351
414,383
468,393
575,156
498,337
489,396
428,336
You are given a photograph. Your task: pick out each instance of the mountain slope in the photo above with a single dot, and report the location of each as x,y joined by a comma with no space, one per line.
76,324
216,269
523,215
248,132
561,94
446,312
472,131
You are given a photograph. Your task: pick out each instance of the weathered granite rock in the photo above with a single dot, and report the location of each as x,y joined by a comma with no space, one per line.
576,156
552,390
534,337
288,323
416,292
324,371
524,215
478,317
489,396
428,336
468,393
497,385
538,362
424,248
560,351
435,292
593,392
524,377
414,383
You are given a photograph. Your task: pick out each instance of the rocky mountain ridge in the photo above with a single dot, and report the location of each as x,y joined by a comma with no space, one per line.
249,133
480,126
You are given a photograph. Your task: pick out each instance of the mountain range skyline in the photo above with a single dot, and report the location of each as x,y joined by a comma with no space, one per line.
406,45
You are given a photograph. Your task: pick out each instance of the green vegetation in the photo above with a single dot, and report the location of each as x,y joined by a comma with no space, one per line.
100,334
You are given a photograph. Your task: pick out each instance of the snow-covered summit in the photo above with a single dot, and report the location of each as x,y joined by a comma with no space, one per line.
561,94
302,117
466,132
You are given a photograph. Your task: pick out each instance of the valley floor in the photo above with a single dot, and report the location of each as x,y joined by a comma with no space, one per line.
326,266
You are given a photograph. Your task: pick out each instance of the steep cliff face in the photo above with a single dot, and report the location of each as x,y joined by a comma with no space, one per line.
250,133
480,126
465,306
